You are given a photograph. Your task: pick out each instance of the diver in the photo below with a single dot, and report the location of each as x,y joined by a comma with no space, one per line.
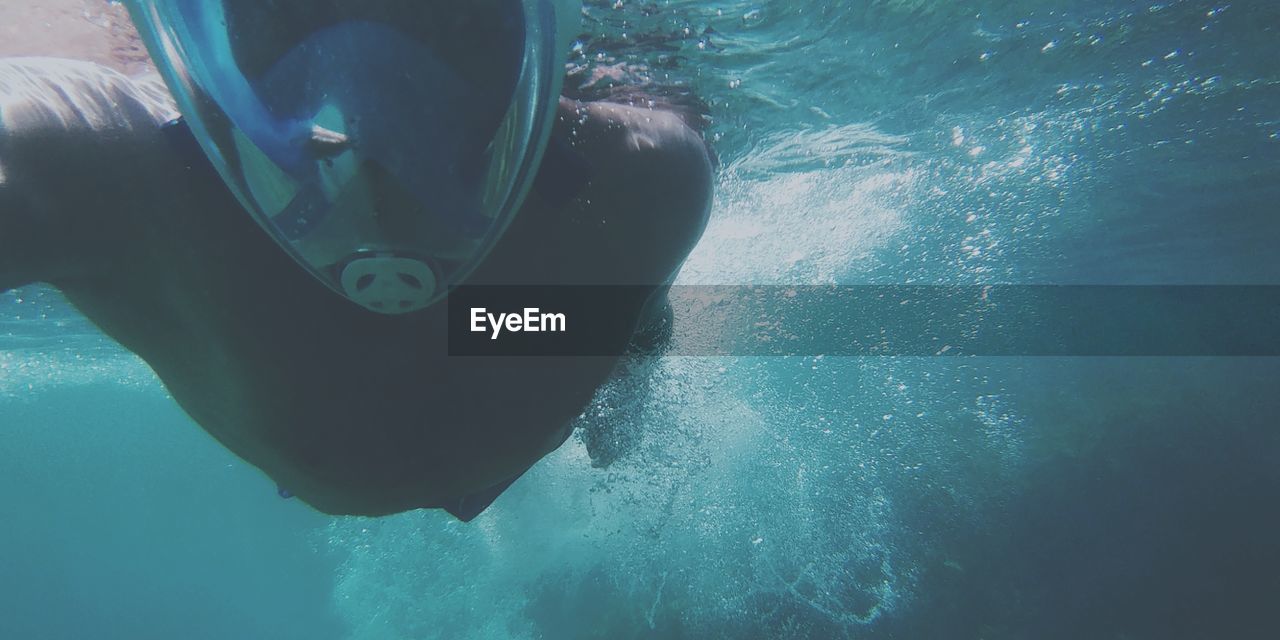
279,254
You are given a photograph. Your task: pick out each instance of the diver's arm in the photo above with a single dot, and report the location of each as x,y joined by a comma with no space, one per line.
73,138
653,175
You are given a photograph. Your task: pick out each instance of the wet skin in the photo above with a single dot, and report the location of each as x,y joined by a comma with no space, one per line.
351,411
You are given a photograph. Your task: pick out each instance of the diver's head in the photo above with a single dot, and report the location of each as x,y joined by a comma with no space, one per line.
385,144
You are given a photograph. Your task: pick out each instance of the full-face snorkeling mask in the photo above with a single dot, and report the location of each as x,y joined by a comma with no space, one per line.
385,144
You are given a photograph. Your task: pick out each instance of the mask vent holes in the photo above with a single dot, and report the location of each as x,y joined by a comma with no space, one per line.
410,280
388,284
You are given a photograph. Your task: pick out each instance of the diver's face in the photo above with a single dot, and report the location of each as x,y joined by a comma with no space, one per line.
465,35
481,42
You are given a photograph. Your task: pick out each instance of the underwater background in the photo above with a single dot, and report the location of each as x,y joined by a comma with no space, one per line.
861,142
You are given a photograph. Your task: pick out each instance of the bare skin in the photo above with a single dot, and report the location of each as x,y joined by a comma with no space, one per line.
353,412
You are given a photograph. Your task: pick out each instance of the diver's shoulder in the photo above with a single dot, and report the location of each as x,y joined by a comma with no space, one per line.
650,170
639,148
39,94
636,128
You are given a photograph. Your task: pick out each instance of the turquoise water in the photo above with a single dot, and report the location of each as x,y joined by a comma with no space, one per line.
805,497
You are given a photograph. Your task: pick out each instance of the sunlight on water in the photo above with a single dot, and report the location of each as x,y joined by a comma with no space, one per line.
27,371
815,226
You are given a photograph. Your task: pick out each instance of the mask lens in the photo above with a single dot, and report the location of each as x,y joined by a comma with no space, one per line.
364,134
